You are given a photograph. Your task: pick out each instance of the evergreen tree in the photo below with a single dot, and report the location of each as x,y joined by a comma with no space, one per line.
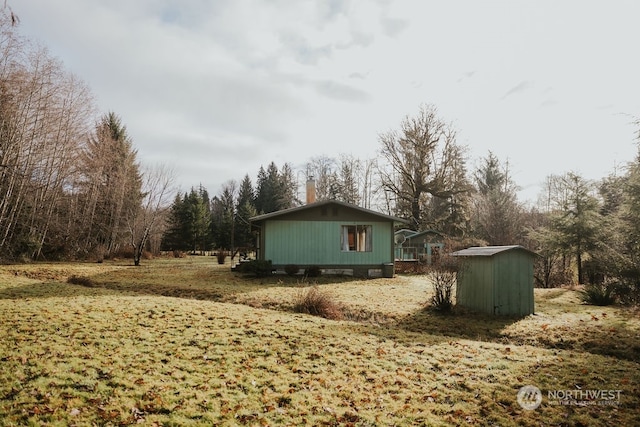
498,215
224,211
287,189
627,251
189,222
245,210
174,236
349,170
263,192
276,190
576,221
112,184
199,214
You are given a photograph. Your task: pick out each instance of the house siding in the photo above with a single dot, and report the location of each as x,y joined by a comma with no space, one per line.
318,243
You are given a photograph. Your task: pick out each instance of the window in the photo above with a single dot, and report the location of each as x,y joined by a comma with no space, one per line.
356,238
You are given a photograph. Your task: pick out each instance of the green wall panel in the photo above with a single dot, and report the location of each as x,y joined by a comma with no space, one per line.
500,284
318,243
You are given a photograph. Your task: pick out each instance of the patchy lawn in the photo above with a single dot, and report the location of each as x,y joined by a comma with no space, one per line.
185,341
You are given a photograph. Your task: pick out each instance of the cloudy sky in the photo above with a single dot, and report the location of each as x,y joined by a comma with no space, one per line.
216,88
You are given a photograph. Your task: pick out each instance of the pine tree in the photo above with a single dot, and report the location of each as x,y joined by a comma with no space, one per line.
576,221
189,223
498,214
245,210
174,236
112,184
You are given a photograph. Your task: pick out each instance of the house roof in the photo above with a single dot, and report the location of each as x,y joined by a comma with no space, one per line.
406,232
322,203
423,233
489,250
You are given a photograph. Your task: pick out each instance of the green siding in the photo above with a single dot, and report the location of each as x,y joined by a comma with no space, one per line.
498,284
474,286
318,243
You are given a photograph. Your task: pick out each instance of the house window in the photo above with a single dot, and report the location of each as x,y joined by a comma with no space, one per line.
356,238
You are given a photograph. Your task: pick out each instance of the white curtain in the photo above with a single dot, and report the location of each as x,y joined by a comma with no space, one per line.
368,239
345,237
362,238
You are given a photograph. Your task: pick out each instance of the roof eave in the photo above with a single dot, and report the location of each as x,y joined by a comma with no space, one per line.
269,215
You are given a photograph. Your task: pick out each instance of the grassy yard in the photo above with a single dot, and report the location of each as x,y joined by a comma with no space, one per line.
187,342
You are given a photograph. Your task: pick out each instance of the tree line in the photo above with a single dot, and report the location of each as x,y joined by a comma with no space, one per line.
72,187
584,231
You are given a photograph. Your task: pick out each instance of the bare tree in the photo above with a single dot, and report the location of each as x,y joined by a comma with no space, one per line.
13,18
323,171
367,183
423,161
44,112
146,219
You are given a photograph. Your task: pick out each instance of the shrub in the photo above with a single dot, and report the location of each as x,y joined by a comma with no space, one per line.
222,256
443,277
256,267
317,303
125,252
291,269
598,294
627,290
313,271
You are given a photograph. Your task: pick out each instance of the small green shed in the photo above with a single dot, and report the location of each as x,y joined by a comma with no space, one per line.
496,280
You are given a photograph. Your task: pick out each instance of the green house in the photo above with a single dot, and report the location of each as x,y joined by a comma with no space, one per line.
338,237
496,280
425,246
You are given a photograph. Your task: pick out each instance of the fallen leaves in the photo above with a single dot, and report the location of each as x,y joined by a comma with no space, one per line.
158,360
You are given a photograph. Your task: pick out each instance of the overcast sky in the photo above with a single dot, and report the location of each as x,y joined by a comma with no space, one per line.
216,88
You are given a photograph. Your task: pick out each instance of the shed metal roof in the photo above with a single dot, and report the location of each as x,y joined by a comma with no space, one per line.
489,250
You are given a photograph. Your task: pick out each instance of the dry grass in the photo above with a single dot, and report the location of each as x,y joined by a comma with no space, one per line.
184,341
318,303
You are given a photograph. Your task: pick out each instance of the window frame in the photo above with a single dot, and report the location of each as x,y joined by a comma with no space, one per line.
356,238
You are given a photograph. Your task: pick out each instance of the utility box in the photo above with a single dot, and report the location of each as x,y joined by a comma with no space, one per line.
388,270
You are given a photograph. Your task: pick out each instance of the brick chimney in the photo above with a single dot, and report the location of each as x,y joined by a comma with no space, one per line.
311,190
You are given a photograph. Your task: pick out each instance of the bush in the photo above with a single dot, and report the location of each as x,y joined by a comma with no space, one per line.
313,271
443,278
627,292
222,256
291,269
599,294
317,303
256,267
